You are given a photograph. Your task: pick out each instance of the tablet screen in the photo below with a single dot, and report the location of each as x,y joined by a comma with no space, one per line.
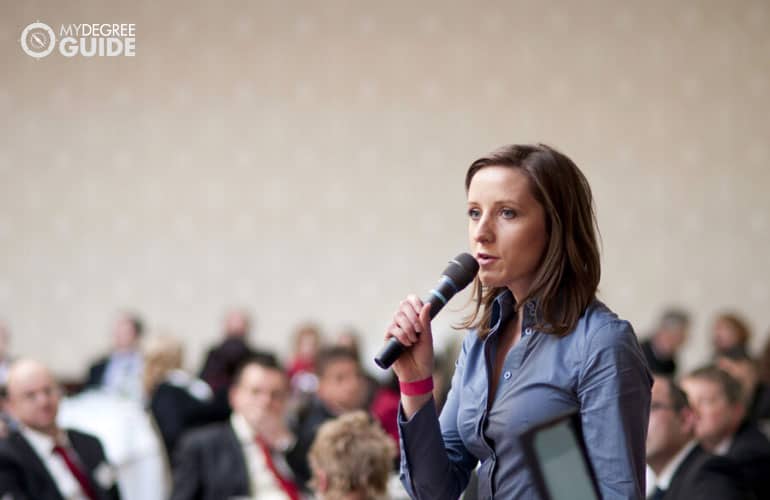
562,463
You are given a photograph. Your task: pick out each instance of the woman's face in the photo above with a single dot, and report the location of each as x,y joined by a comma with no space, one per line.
506,228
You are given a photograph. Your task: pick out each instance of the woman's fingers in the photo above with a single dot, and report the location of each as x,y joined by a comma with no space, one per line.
407,325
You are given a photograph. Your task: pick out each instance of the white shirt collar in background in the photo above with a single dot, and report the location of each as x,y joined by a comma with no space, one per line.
55,465
263,483
663,481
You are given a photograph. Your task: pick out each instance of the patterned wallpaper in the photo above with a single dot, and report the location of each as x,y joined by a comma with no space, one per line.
305,159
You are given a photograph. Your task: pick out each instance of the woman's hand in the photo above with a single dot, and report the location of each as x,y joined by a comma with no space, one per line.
411,327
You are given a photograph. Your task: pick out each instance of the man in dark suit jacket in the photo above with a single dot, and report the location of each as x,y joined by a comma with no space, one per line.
250,455
39,461
750,451
224,358
683,469
720,402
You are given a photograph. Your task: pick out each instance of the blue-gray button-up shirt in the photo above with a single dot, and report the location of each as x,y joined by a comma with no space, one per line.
598,370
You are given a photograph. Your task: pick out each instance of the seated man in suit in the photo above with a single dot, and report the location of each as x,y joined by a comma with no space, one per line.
683,469
722,429
121,371
250,455
40,461
352,459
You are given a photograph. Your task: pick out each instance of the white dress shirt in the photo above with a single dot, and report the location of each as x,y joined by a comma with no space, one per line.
263,483
663,480
724,446
123,374
55,465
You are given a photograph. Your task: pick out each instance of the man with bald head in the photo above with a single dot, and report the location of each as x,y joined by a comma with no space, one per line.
40,461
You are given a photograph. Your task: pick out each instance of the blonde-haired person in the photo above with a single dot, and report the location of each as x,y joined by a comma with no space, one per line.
177,400
351,458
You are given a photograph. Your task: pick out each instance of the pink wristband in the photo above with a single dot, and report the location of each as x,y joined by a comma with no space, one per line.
417,388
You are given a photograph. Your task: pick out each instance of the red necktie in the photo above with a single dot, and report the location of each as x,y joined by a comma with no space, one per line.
80,476
287,486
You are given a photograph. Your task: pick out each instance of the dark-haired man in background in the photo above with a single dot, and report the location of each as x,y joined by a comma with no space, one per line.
251,454
683,469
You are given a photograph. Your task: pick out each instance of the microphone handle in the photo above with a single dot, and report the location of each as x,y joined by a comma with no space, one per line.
437,298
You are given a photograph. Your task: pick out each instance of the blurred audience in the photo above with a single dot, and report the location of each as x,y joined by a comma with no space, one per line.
722,429
385,404
177,400
5,355
341,389
41,461
764,362
273,442
306,343
349,338
351,459
252,454
223,359
683,469
660,349
730,336
755,393
120,372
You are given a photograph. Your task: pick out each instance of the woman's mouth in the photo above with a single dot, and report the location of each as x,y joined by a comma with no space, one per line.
484,259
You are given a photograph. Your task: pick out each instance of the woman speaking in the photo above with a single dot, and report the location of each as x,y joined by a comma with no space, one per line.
540,344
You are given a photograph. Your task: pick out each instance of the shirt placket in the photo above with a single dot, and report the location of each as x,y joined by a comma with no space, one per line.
512,365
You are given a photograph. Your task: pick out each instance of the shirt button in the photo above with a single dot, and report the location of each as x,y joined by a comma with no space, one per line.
528,331
507,375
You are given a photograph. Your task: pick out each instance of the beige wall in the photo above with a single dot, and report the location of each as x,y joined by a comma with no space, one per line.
305,159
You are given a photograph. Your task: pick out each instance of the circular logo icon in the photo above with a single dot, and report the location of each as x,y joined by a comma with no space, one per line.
38,40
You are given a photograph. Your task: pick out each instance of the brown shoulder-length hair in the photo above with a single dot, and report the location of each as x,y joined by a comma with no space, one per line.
569,272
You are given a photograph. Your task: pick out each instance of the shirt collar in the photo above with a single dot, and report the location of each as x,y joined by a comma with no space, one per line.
242,429
504,307
724,446
663,480
43,443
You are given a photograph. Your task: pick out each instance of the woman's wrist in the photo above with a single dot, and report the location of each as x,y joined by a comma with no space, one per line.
417,387
412,404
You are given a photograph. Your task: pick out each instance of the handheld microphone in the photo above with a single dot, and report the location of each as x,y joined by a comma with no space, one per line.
458,274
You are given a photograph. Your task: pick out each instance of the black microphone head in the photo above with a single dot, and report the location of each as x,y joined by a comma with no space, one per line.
461,270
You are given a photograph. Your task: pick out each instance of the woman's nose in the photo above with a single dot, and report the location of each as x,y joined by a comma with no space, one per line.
483,232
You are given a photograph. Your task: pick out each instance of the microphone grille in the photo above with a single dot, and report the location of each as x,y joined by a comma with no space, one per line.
462,269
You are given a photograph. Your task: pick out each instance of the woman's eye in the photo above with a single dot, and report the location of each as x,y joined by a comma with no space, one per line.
474,213
507,213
